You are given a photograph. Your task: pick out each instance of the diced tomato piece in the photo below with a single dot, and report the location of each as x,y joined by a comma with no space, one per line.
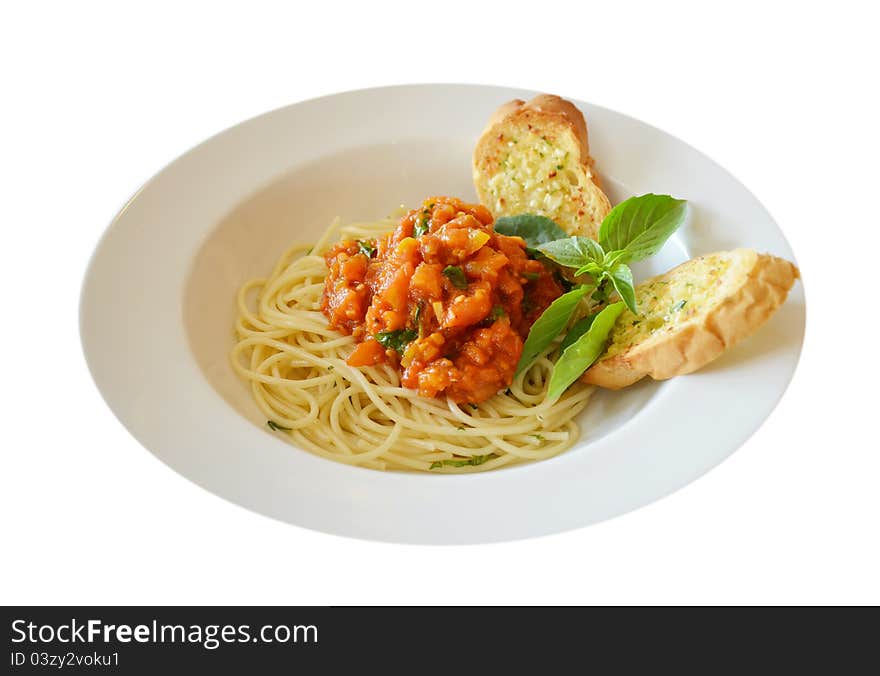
355,268
395,293
469,308
427,281
367,353
486,264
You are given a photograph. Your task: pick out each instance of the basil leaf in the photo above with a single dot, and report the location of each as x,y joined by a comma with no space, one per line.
275,427
396,340
622,279
550,324
581,354
455,275
573,252
367,248
579,328
641,225
532,228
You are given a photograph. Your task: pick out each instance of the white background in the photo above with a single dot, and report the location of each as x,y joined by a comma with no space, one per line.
100,96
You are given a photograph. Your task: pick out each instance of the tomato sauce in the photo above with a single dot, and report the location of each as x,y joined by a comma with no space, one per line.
443,298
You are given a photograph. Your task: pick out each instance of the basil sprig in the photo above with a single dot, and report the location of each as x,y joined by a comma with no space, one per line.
632,231
588,257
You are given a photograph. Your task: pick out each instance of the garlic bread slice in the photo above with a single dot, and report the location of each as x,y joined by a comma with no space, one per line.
534,158
691,315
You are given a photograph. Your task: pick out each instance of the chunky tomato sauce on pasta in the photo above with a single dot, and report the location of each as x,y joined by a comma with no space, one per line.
442,297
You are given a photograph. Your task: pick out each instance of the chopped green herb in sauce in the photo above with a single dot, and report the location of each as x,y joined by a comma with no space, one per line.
366,247
396,340
455,274
421,227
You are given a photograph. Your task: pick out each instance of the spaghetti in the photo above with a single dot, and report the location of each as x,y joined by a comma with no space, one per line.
361,415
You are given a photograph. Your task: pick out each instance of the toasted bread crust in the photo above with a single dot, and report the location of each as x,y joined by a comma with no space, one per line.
559,118
704,338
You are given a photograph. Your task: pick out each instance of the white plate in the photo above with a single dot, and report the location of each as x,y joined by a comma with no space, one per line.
157,314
